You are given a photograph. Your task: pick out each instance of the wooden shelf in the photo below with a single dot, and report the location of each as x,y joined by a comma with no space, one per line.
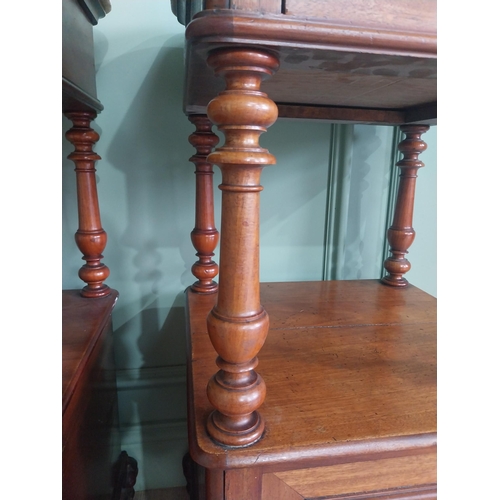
376,71
350,369
83,323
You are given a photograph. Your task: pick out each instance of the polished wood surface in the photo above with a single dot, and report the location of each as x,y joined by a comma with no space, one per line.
90,237
354,57
348,365
401,233
350,369
90,436
238,324
84,322
204,236
358,477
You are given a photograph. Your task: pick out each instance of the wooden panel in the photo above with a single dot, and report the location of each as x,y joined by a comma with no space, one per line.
350,369
243,483
422,114
353,88
362,476
227,26
90,436
83,323
78,68
340,115
273,488
78,48
402,15
214,484
320,64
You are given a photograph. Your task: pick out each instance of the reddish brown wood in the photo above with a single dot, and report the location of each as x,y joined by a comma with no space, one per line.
340,114
243,483
214,484
408,16
409,35
90,439
238,324
401,234
274,488
351,374
349,366
383,62
424,492
358,477
204,236
90,237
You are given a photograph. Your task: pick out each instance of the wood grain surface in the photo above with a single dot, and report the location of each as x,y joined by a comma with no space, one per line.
90,439
83,323
359,477
350,368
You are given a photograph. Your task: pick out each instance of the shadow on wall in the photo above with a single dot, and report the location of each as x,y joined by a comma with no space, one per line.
152,402
151,149
154,254
366,142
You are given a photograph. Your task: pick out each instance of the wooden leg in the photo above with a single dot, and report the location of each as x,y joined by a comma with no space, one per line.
125,477
190,470
90,237
238,324
401,234
204,235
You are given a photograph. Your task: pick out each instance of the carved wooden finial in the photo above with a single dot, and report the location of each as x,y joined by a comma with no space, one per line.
204,235
90,237
401,234
238,324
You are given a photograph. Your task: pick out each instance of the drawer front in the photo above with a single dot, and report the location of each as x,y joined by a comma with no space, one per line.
412,477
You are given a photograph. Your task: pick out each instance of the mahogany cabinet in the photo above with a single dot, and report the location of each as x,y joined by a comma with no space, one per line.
315,389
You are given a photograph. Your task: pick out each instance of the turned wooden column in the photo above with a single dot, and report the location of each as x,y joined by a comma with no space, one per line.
238,324
90,237
204,235
401,234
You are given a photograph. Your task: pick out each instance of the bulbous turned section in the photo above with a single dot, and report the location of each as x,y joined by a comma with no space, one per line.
237,390
204,235
238,324
242,112
401,234
90,237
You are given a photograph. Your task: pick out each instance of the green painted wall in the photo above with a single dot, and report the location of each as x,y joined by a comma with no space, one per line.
146,194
